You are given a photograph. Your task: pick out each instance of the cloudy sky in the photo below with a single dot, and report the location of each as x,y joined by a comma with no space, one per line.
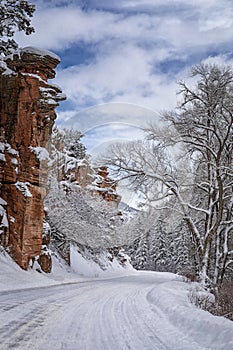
121,59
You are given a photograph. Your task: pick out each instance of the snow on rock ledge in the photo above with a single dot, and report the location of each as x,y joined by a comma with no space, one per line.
39,52
34,61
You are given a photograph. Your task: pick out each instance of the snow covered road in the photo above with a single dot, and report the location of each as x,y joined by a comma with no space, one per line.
144,310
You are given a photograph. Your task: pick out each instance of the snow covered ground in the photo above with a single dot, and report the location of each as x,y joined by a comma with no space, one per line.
137,310
13,277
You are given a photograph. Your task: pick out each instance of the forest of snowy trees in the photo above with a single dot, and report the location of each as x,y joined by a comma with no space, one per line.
187,169
78,217
185,173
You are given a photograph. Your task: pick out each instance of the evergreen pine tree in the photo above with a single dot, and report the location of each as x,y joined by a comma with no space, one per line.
15,15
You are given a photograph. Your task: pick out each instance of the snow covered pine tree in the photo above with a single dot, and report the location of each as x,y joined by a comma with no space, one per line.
15,15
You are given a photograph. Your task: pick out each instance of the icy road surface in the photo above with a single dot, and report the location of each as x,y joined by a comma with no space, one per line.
141,311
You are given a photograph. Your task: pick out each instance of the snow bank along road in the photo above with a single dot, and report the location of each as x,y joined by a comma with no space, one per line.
144,310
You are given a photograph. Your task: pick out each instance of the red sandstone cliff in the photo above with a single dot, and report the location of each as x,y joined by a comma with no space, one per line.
27,115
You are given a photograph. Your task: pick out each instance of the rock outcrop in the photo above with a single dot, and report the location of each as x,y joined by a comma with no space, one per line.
106,187
27,115
79,170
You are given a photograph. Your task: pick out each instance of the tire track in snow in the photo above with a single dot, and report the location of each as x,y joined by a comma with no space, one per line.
20,326
114,314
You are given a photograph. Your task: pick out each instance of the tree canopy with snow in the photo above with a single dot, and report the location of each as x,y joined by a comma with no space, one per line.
15,15
198,185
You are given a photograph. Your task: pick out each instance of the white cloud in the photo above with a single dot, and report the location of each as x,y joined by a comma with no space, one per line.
220,60
129,45
124,75
69,24
58,28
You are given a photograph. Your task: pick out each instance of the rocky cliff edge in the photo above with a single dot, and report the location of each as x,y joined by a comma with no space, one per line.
27,114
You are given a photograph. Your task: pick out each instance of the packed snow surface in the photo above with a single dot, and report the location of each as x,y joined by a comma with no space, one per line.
138,310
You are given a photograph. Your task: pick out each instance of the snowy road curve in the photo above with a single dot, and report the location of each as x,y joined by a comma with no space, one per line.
141,311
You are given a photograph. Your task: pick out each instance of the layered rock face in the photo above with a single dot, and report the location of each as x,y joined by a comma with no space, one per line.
106,187
27,115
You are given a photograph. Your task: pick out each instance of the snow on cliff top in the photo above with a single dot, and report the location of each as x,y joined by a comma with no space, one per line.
39,52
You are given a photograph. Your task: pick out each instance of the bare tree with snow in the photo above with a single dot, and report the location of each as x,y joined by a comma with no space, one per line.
201,181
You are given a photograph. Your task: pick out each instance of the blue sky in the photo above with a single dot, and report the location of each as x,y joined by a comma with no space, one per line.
128,52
